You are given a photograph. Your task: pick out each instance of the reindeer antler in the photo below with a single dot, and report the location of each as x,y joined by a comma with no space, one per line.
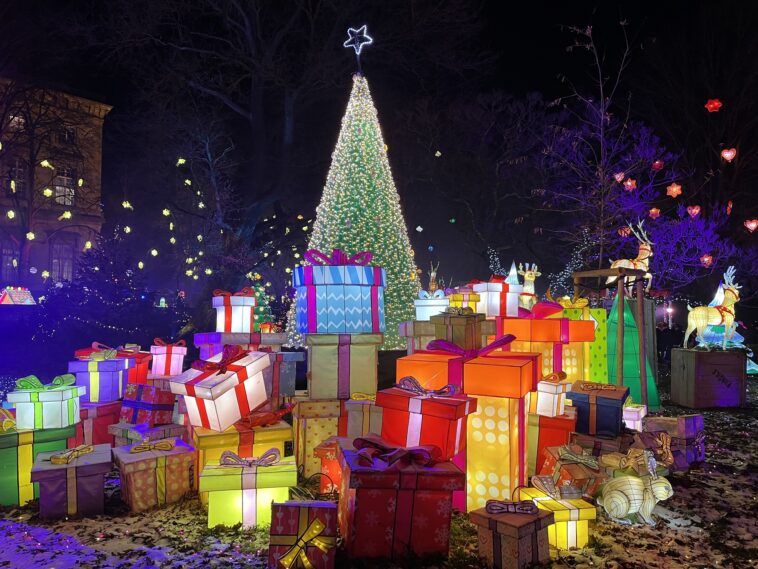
729,277
639,233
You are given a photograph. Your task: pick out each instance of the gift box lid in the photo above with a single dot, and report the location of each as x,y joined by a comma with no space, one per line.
214,383
681,426
439,476
457,319
511,524
143,431
203,438
565,422
317,408
561,330
129,462
563,510
635,411
490,287
502,374
339,275
287,356
92,410
223,300
451,408
328,448
48,392
217,476
115,365
427,302
12,438
240,338
96,462
612,394
175,350
553,387
132,353
357,405
465,296
335,339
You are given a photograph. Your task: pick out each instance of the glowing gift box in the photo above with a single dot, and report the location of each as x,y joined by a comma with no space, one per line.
129,433
459,326
242,439
137,370
598,407
497,297
464,297
342,364
303,530
223,389
496,450
339,294
155,473
432,368
240,490
500,374
364,416
212,343
96,418
570,466
234,311
147,404
633,414
168,358
419,493
419,334
103,375
429,304
572,517
72,482
18,449
414,416
331,471
543,331
314,421
551,396
512,539
280,377
51,406
546,432
587,360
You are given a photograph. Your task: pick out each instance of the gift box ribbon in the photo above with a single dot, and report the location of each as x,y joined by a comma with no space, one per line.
136,405
246,291
164,445
372,448
458,311
426,295
169,349
507,507
71,454
268,458
415,418
338,257
308,534
360,396
33,384
526,507
446,346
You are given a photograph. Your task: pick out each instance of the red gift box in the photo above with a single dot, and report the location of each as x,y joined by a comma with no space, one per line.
146,404
303,529
414,416
136,374
546,432
95,420
327,451
395,500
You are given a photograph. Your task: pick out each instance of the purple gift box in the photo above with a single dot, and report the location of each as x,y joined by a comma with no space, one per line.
105,380
74,488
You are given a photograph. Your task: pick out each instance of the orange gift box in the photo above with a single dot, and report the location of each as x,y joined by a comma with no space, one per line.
433,369
502,374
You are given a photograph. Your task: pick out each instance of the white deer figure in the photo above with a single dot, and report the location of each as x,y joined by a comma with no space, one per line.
721,315
640,262
528,298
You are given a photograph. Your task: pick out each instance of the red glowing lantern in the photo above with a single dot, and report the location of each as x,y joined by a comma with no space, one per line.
713,105
657,165
729,205
625,231
619,177
751,224
706,260
694,211
728,154
654,213
630,184
674,190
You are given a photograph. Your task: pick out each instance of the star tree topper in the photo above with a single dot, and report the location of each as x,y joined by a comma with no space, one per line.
357,39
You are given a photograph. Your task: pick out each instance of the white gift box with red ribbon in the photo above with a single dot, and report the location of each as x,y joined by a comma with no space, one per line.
220,391
497,298
168,359
234,312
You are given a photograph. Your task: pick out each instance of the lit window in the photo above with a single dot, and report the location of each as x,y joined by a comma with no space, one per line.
64,184
8,253
62,260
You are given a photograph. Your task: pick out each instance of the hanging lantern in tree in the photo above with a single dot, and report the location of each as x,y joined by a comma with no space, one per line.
625,231
729,205
713,105
673,190
751,224
693,211
706,260
729,154
619,176
630,184
657,165
655,213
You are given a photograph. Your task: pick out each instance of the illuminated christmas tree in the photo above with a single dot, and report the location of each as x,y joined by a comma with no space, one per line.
262,311
360,208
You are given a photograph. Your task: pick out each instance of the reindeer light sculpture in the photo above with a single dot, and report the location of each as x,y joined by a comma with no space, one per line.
527,299
433,277
640,262
722,315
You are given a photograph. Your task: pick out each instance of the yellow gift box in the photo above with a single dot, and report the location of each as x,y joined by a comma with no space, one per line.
242,492
315,421
572,517
464,300
342,364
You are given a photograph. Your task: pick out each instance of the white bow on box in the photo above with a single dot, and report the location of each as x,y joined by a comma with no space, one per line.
426,295
430,303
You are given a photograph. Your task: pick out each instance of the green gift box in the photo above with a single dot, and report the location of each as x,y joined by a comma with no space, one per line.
51,406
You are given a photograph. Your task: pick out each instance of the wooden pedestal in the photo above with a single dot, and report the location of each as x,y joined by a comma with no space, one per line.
702,379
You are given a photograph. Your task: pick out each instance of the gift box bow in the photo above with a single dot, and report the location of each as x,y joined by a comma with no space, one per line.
32,383
338,257
265,418
410,383
165,444
131,348
446,346
661,443
567,455
360,396
163,343
458,311
7,420
246,291
507,507
309,535
426,295
71,454
372,448
268,458
231,354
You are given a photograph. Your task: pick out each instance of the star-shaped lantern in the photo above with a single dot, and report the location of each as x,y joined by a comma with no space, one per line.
673,190
706,260
655,213
357,39
713,105
630,184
